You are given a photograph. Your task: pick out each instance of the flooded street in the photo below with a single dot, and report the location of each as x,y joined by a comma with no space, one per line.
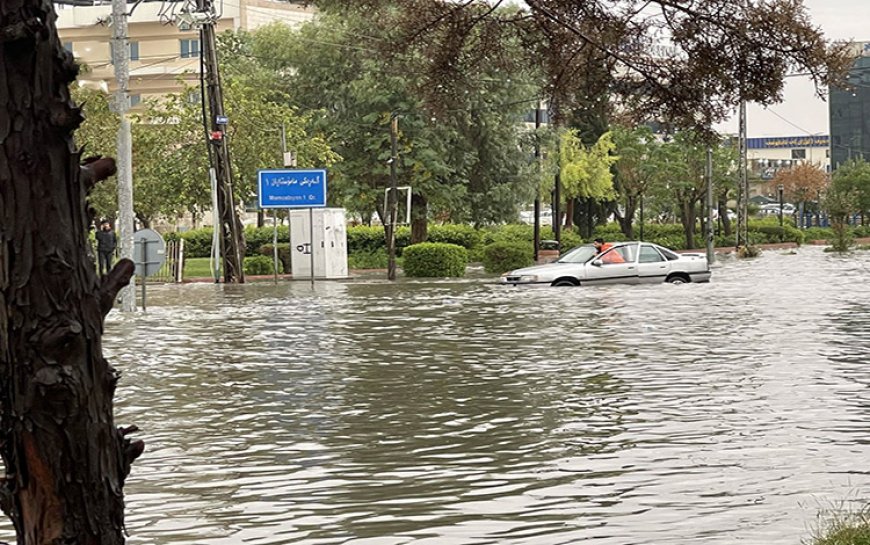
463,412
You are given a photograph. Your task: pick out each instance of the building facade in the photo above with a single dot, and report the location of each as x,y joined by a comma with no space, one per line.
164,51
850,111
767,156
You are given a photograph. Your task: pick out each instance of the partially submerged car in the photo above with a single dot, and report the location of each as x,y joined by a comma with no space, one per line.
623,263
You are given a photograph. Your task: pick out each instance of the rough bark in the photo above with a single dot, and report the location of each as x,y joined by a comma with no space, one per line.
65,460
626,221
569,214
687,218
419,218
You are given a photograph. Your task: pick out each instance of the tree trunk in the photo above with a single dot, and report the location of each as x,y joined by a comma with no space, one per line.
569,213
65,460
626,222
419,218
687,217
723,216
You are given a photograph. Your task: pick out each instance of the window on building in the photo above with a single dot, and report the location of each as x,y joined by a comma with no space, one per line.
189,49
135,100
132,47
798,154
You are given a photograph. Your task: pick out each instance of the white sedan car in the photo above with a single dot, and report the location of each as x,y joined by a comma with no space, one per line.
623,263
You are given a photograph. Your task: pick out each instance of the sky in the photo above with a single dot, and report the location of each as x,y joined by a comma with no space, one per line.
802,111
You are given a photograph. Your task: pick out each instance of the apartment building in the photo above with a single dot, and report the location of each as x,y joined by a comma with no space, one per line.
164,51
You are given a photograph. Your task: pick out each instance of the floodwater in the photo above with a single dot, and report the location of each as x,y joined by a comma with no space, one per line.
463,412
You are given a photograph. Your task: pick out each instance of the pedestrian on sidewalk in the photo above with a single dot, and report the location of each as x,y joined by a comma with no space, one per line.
106,243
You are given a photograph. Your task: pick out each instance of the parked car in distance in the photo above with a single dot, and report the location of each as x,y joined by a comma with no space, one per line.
624,263
528,216
773,209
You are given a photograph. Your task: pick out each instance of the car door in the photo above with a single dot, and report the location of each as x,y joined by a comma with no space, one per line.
615,266
652,266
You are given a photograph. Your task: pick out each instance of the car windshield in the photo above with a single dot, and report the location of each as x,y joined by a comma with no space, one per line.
581,254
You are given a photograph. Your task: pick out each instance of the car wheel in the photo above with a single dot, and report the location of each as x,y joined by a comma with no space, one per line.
565,282
678,279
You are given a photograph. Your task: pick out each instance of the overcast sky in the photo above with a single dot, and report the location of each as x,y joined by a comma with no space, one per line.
802,112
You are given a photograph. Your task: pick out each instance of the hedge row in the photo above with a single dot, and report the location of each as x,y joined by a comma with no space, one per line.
434,260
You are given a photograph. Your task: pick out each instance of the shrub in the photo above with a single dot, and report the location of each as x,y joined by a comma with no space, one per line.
462,235
842,527
861,231
258,265
499,257
257,237
363,238
373,259
435,259
197,242
818,233
284,256
526,233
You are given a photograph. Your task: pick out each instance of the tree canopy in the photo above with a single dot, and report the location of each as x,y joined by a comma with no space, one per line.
686,63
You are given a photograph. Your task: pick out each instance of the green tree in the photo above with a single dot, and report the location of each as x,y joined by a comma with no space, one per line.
98,135
854,176
840,202
461,160
718,52
586,170
634,172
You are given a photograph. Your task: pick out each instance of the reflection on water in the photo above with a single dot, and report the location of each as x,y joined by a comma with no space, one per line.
467,413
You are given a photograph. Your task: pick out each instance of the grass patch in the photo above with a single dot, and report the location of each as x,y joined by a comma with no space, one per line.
842,528
197,267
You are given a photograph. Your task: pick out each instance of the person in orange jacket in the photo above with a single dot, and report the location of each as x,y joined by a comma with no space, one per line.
612,257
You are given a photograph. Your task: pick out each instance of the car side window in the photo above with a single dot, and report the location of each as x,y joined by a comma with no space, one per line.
671,256
648,254
622,254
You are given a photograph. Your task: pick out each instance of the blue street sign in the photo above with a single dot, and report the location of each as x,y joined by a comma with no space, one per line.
292,188
222,120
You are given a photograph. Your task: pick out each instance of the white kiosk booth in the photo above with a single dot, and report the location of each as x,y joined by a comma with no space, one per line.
329,238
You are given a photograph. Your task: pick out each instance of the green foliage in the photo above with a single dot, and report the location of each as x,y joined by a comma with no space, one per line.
586,171
368,259
500,257
197,242
818,233
284,254
364,238
462,235
98,133
517,233
259,265
463,165
257,237
842,528
841,200
435,259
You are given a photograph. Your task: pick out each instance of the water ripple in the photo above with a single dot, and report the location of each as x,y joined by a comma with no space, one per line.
460,412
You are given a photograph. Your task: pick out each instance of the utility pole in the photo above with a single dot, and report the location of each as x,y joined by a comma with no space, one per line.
743,190
537,235
392,198
121,60
232,242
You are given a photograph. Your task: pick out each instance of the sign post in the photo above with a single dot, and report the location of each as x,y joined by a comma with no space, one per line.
291,188
149,254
